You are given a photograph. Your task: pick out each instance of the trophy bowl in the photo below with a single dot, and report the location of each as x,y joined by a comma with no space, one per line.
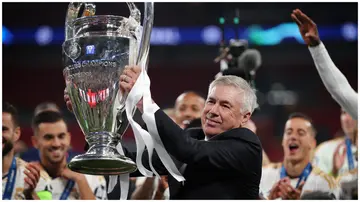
95,52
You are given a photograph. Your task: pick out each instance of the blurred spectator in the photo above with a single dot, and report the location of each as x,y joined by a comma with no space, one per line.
170,112
296,175
46,106
251,126
338,156
188,106
19,148
20,180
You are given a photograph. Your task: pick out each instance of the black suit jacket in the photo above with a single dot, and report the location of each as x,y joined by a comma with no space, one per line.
228,166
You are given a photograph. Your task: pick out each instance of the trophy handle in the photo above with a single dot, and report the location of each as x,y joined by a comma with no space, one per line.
73,13
148,22
134,11
89,10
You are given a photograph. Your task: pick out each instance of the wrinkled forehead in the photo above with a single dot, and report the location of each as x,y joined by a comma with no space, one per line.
219,90
226,93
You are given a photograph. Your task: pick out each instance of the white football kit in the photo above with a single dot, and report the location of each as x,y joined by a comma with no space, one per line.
316,181
324,153
16,192
63,189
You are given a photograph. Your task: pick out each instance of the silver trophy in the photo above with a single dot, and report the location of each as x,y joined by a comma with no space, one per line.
95,52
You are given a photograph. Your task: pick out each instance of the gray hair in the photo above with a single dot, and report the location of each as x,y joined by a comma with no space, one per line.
249,103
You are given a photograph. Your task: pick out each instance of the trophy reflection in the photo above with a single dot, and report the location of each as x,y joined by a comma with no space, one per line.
95,52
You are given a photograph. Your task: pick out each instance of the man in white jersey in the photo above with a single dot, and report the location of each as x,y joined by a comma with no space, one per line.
19,179
52,138
296,175
338,156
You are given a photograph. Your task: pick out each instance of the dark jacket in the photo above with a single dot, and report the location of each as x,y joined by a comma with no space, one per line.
228,166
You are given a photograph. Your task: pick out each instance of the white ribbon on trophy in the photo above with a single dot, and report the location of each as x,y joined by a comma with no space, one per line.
151,139
144,138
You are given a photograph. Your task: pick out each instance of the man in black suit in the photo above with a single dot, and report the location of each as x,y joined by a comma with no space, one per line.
227,165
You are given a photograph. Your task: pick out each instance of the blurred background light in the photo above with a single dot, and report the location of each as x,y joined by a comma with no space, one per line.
211,35
7,36
261,35
349,31
44,35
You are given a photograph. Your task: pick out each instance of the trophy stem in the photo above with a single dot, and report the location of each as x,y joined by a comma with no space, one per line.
102,158
102,138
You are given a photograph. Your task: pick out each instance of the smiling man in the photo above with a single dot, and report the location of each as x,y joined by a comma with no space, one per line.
20,180
227,165
296,175
53,141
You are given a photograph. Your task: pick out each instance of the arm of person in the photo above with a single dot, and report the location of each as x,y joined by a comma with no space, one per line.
144,188
266,159
223,155
334,81
85,191
162,191
160,194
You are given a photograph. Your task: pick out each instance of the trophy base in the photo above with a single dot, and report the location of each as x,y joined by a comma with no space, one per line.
104,163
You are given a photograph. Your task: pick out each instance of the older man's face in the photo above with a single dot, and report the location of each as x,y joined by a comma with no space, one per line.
222,110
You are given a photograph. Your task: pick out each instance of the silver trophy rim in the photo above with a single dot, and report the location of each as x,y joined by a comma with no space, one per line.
84,163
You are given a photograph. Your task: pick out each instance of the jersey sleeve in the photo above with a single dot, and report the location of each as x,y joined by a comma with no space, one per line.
322,159
334,80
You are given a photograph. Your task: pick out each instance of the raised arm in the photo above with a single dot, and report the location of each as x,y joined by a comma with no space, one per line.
334,81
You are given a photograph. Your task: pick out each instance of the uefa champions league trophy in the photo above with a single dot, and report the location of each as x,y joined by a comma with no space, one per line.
95,52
